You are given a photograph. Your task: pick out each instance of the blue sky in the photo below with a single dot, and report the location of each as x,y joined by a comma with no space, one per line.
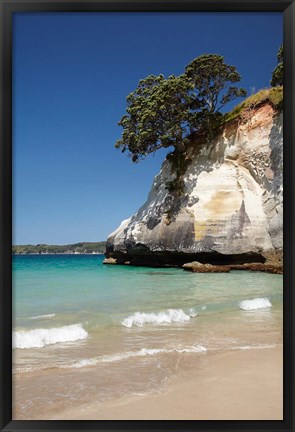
71,75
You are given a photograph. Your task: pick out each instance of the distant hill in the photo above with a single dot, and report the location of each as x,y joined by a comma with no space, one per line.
76,248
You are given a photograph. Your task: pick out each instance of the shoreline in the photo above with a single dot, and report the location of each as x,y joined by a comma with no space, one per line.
231,385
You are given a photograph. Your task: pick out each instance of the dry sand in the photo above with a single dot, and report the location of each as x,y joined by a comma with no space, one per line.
233,385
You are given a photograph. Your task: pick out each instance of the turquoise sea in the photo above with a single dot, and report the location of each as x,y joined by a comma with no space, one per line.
87,331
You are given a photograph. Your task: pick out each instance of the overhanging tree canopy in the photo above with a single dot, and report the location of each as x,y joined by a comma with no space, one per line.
157,116
164,112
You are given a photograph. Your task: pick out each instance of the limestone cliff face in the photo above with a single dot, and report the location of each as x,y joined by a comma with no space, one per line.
231,210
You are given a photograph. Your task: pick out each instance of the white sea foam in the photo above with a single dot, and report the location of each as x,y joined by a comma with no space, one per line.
193,313
255,304
42,316
128,354
81,363
194,349
168,316
39,338
23,369
250,347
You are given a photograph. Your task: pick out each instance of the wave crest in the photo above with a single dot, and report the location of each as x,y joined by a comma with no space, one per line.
255,304
163,317
39,338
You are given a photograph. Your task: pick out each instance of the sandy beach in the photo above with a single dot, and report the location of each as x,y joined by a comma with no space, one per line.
233,385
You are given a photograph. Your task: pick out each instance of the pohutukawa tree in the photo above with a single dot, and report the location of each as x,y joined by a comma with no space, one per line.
157,116
278,73
163,112
212,89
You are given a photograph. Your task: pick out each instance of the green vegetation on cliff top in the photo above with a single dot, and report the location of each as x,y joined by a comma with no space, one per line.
273,95
82,248
277,78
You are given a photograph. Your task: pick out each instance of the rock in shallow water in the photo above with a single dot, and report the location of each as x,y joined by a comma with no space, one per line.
110,260
197,267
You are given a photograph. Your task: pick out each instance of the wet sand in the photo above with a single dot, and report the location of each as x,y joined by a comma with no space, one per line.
231,385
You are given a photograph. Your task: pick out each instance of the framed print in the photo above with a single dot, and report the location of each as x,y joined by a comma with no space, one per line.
147,184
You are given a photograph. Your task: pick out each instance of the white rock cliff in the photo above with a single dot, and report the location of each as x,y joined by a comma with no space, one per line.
231,210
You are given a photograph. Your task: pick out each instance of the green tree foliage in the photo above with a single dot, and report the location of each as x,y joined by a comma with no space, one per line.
212,89
163,112
157,116
278,73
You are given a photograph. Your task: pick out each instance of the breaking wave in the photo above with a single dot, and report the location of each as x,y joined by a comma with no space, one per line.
255,304
168,316
39,338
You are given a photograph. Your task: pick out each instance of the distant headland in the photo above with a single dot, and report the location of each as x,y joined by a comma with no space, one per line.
73,249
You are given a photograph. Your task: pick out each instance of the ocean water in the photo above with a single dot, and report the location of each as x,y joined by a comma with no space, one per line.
85,331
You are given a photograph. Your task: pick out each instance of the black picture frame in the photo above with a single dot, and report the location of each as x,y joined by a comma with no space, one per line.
7,8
